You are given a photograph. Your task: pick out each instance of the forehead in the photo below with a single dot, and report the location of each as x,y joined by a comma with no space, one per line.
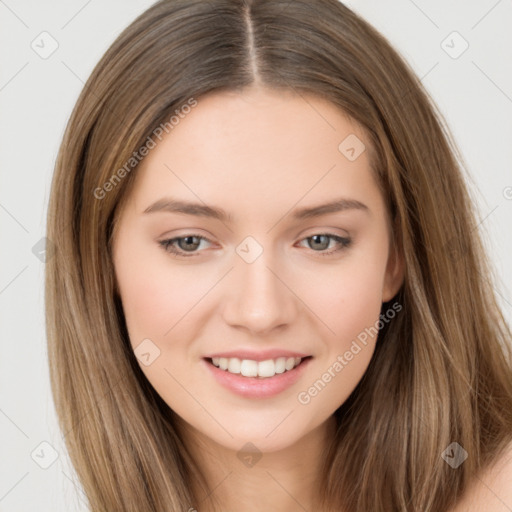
259,149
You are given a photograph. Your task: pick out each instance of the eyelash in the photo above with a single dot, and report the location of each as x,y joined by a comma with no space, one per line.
169,248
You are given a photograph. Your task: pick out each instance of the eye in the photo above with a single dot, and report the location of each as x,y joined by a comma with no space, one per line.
321,239
191,242
186,245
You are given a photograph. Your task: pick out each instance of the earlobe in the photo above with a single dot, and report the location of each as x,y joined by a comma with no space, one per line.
395,271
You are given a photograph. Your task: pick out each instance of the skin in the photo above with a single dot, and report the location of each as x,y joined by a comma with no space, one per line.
259,155
492,489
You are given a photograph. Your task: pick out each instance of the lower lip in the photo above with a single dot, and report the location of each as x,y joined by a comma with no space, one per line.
257,387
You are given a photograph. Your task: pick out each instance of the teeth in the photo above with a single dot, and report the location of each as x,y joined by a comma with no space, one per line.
234,365
280,365
250,368
266,368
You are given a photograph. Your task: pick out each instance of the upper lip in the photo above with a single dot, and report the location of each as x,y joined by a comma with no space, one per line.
261,355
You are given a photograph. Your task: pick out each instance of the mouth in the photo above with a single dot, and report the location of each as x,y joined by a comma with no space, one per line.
253,379
257,370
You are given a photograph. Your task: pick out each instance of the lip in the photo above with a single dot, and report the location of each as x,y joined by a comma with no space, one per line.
261,355
257,387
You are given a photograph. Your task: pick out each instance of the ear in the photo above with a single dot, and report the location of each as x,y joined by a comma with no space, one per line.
395,271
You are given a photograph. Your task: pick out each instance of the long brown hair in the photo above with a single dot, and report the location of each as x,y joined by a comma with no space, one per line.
441,372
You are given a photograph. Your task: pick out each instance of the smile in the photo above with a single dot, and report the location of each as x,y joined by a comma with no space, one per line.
257,379
251,368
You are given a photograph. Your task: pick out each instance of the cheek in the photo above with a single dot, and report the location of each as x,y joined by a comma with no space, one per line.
349,305
155,294
347,297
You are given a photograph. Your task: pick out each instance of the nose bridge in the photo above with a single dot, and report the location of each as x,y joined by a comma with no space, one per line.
260,300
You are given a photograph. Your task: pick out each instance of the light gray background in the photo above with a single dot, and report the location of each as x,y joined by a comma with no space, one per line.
474,92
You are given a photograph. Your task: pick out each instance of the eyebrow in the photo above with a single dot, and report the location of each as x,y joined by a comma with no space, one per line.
202,210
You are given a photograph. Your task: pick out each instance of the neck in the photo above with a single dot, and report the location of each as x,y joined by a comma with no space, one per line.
285,480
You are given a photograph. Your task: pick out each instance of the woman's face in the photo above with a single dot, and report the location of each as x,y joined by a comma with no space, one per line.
258,281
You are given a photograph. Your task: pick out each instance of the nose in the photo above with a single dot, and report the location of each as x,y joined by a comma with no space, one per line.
260,300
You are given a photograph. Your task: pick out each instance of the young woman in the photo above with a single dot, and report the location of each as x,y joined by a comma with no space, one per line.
269,292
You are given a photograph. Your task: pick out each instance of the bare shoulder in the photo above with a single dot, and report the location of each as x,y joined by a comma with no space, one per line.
492,491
